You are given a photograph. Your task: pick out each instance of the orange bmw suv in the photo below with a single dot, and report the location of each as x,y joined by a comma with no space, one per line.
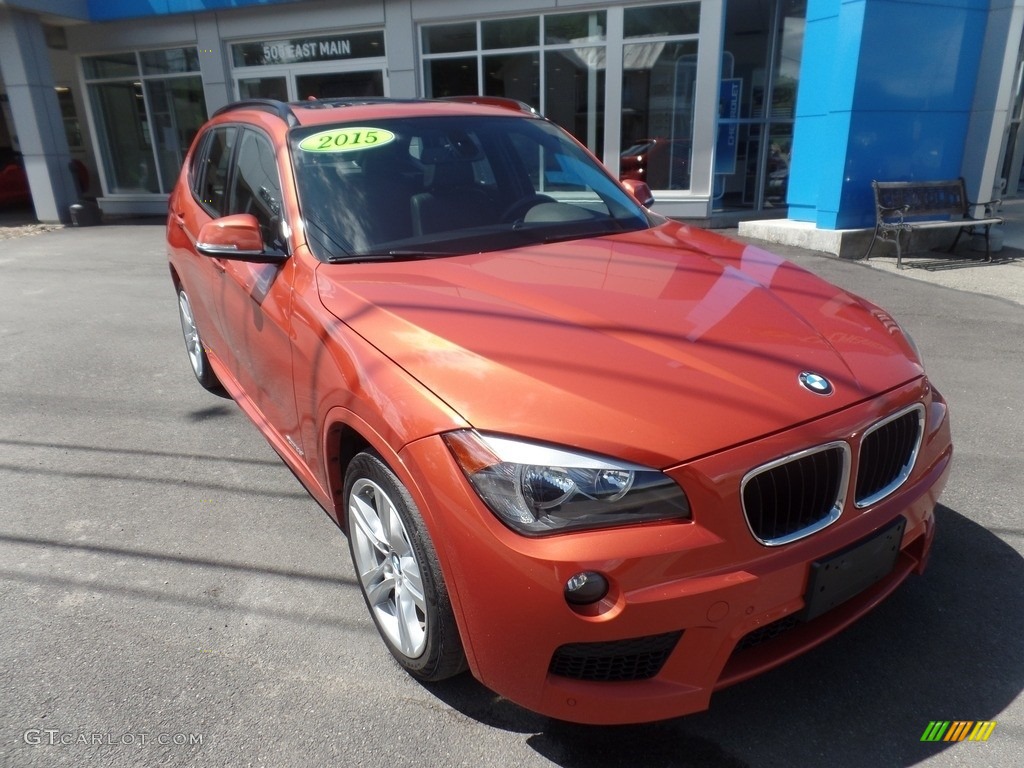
608,462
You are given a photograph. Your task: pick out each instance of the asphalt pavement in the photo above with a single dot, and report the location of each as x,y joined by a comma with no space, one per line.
169,594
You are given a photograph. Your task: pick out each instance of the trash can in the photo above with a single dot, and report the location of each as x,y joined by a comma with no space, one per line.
85,213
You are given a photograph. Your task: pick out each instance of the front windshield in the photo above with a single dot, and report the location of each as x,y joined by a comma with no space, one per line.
425,186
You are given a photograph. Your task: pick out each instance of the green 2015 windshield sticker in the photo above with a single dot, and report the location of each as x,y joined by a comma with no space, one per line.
346,140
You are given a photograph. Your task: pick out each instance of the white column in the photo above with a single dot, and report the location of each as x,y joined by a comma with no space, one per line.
400,47
993,99
613,91
25,64
214,63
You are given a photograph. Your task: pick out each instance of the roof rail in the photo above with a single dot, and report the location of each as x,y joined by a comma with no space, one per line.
495,101
349,101
279,108
286,110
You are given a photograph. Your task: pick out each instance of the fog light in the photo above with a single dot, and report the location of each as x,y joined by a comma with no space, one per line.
585,588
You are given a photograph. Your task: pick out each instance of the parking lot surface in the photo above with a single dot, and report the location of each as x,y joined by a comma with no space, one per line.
169,594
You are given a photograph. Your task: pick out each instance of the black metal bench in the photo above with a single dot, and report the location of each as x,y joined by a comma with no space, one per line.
908,206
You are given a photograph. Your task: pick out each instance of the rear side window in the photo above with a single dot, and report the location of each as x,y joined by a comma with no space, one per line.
210,183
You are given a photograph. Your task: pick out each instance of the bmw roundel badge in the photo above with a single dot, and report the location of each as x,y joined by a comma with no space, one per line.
815,383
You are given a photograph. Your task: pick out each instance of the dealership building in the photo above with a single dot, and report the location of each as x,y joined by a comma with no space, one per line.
777,112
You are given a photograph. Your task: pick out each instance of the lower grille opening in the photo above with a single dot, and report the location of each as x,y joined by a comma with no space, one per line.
639,658
768,632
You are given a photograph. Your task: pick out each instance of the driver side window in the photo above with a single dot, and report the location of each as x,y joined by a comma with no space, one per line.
256,186
211,177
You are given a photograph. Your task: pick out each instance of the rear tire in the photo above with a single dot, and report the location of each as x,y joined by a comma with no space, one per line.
398,573
194,346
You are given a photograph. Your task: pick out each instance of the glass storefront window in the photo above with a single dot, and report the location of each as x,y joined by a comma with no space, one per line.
178,111
780,149
555,63
263,88
123,131
788,54
761,66
510,33
338,65
110,65
449,38
340,85
169,62
72,128
147,108
514,76
574,92
451,77
306,50
575,27
659,83
662,20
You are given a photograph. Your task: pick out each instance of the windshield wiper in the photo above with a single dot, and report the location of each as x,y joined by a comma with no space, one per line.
391,255
578,235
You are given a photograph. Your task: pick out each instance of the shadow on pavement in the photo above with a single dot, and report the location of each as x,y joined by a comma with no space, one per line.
212,412
939,261
945,646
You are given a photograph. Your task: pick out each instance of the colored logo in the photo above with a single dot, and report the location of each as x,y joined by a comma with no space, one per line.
958,730
815,383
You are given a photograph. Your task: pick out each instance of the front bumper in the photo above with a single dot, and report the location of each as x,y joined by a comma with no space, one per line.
701,603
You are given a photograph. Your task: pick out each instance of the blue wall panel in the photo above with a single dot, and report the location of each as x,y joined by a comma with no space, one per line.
918,57
897,146
110,10
886,92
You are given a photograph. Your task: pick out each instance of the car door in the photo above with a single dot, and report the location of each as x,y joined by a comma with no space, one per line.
255,299
204,199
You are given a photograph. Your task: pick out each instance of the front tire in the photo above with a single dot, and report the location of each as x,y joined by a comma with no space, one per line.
398,573
195,348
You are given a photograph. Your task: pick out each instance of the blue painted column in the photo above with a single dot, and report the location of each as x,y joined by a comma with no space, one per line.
886,92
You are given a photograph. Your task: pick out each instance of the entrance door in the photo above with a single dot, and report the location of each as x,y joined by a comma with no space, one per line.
295,84
340,84
763,46
263,88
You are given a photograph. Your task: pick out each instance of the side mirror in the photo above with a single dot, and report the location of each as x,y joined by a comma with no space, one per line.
640,191
236,237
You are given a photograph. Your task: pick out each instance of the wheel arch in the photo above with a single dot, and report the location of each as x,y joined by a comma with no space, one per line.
343,442
344,437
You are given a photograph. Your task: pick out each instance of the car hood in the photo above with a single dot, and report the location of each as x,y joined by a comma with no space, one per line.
655,346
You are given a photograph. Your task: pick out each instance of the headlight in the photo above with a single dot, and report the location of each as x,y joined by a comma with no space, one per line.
536,489
912,343
895,329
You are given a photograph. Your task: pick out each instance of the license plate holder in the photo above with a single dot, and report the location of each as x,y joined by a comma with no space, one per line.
848,572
